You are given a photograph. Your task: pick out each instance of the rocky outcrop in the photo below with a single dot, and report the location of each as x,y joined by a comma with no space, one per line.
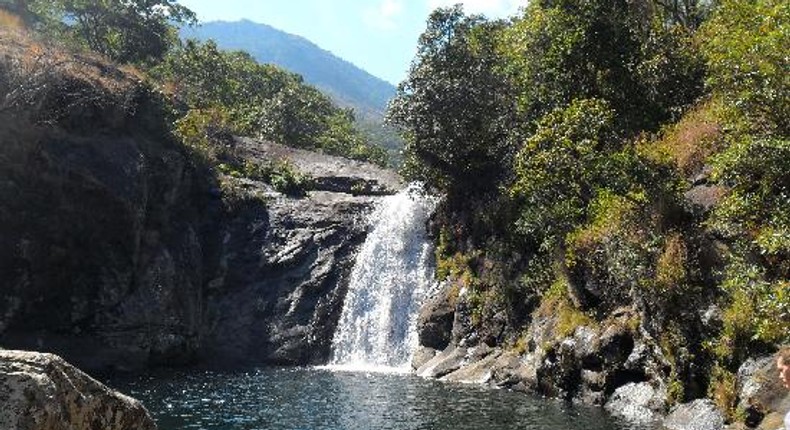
120,249
638,402
105,241
43,392
285,261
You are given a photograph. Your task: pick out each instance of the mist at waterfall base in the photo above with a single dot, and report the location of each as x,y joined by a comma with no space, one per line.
366,386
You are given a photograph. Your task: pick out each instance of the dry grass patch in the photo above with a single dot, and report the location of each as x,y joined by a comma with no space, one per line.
689,143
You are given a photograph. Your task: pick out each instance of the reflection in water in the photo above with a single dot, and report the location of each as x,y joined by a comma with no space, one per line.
310,399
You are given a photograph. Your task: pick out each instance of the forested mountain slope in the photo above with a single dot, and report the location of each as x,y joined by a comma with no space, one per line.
346,83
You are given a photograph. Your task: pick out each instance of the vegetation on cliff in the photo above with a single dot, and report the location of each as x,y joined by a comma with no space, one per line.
225,92
605,154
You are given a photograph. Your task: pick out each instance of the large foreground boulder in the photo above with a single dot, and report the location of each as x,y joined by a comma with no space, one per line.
42,392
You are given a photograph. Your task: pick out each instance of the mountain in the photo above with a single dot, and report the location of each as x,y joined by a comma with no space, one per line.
346,83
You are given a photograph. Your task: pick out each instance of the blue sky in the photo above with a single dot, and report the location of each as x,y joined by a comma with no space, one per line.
378,35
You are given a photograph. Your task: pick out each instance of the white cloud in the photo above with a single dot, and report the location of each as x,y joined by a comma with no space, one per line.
384,15
489,8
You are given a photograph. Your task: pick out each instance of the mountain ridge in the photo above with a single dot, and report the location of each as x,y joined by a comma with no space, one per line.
348,84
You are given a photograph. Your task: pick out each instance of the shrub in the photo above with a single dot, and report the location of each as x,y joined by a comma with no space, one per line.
556,303
689,143
560,166
723,390
745,44
205,131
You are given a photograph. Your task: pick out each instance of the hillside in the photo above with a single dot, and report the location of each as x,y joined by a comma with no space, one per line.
347,84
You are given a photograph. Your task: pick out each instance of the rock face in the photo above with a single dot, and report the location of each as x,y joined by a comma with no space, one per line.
43,392
104,219
588,365
637,402
118,249
285,262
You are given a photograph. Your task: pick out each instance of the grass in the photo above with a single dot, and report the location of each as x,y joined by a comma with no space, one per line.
556,303
689,143
11,21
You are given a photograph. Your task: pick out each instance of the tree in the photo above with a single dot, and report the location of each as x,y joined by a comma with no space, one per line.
746,44
561,167
454,109
260,100
127,31
562,50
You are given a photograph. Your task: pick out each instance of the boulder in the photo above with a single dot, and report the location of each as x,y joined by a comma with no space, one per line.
444,363
700,414
638,402
435,322
41,391
760,394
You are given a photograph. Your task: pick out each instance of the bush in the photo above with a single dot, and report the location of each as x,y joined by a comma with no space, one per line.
745,44
261,101
559,169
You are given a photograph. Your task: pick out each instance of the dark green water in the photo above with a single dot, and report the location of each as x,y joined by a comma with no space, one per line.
313,399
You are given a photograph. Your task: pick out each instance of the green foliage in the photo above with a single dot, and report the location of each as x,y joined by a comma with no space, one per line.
202,129
756,313
601,49
615,249
745,44
689,143
262,100
454,108
556,302
129,31
723,389
757,170
560,168
281,175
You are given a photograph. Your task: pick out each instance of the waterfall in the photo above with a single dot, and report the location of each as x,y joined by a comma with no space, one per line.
392,275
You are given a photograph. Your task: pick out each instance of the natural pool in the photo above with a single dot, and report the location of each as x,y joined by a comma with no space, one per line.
317,399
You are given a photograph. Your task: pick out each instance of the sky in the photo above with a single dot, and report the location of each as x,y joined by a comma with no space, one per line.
380,36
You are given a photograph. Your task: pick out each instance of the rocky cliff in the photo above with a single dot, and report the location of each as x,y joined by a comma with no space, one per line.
121,248
285,261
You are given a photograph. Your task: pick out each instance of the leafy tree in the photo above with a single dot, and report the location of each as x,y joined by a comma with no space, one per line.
561,167
562,50
127,31
746,45
261,100
455,110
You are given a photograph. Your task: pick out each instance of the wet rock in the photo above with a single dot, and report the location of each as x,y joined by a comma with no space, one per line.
421,356
518,373
700,414
435,321
444,363
42,392
477,369
638,402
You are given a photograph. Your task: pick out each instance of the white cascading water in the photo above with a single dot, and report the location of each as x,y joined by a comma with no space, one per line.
392,276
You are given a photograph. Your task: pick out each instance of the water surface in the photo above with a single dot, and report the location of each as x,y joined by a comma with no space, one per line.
316,399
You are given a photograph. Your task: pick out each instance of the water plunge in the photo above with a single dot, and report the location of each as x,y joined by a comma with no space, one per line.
392,275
